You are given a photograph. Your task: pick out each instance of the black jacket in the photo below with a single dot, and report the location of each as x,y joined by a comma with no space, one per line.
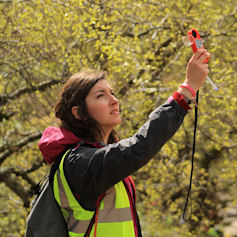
91,171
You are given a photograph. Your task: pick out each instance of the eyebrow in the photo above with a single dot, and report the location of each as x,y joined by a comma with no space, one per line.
102,90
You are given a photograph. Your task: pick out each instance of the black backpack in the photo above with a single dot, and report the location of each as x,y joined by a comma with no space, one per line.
45,218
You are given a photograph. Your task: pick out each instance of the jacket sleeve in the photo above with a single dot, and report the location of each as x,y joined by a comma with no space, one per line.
92,171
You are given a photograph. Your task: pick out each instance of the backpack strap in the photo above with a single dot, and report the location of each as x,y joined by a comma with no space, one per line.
54,168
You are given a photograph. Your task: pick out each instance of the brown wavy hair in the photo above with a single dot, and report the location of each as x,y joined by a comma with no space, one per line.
74,93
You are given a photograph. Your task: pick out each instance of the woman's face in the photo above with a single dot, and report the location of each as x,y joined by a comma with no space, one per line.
103,106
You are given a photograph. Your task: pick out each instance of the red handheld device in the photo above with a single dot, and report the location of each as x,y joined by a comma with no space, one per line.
196,41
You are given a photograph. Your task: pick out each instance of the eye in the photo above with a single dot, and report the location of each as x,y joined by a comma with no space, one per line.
100,95
112,93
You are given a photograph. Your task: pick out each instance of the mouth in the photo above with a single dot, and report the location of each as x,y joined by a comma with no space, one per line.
115,111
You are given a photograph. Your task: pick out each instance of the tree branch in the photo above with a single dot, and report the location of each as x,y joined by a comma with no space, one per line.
19,145
24,172
155,73
4,98
10,180
128,33
6,116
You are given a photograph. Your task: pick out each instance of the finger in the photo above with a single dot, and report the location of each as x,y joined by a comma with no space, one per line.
203,57
198,53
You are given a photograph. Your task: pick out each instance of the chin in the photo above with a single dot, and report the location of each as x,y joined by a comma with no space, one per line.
116,123
119,121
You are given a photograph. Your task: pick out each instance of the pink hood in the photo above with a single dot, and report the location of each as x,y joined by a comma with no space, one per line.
55,140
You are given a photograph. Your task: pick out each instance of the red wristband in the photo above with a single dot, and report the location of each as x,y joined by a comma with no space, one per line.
184,85
178,97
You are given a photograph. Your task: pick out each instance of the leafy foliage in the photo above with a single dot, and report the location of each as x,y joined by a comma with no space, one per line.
139,44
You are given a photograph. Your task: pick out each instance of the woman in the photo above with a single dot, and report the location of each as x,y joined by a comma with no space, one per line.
92,185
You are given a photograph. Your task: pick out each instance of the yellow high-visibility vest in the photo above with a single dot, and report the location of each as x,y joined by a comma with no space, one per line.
114,215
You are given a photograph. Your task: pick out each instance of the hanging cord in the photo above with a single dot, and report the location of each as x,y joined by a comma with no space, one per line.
192,163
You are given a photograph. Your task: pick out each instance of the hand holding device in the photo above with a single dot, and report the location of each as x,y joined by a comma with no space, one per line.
194,40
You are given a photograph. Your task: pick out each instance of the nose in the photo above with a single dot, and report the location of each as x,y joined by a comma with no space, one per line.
114,100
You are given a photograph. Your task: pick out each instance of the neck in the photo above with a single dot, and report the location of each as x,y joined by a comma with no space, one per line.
106,134
105,139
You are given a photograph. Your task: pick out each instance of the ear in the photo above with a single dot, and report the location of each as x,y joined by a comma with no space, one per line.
75,112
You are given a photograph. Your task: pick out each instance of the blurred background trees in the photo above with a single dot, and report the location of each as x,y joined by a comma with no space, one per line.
139,43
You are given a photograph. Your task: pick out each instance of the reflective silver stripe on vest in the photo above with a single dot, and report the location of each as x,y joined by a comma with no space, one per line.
106,215
73,224
110,213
